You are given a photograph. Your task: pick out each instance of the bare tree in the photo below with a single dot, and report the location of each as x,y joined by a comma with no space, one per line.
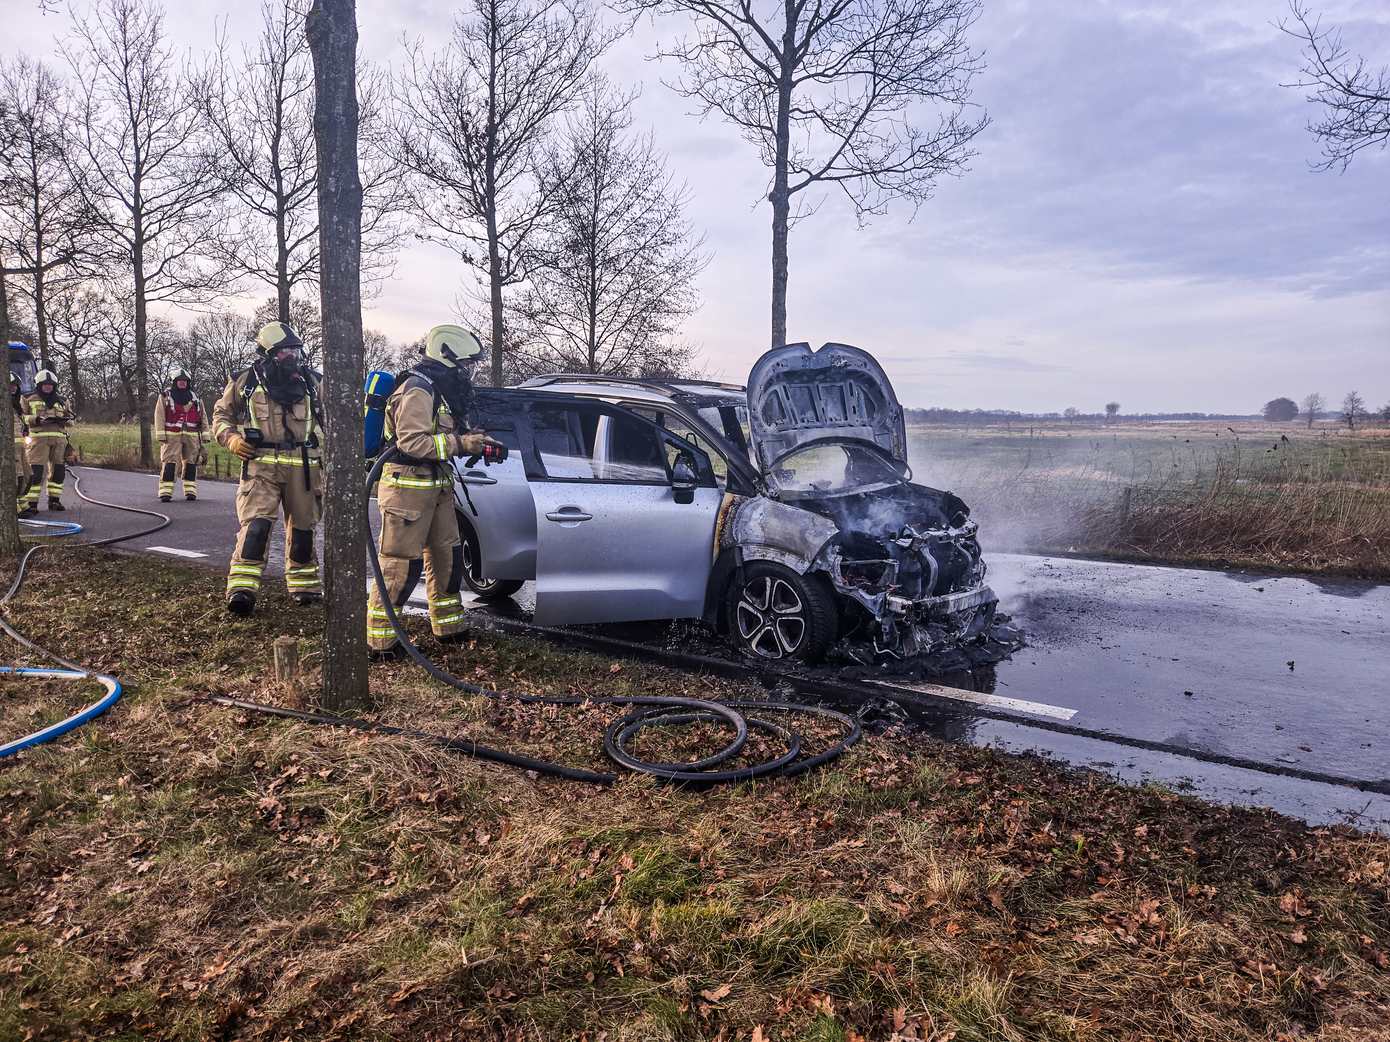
222,342
331,28
614,271
1112,409
79,313
1311,406
473,121
151,177
1071,412
832,94
1353,408
47,226
1355,97
259,109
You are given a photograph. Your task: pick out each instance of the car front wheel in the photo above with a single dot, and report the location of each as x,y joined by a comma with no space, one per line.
774,613
483,589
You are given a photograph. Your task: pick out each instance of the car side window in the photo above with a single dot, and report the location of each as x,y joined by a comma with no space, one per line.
673,423
580,443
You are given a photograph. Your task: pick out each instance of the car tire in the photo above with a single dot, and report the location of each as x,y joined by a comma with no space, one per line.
776,614
486,590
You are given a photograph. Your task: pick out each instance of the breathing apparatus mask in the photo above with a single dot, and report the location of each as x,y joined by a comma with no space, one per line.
450,352
282,362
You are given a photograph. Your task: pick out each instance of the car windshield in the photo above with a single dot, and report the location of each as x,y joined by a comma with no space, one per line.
832,468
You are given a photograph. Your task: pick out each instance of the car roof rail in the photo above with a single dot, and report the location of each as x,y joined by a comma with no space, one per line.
668,384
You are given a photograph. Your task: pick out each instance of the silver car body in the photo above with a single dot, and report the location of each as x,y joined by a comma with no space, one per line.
585,508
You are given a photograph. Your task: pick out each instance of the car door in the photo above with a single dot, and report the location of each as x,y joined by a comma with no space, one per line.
495,499
614,541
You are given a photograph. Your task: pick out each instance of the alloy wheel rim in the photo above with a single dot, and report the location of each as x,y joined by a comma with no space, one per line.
771,618
478,584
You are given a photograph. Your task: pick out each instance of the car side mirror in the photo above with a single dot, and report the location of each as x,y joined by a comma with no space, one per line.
683,480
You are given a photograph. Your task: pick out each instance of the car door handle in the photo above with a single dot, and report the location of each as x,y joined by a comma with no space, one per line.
476,477
568,514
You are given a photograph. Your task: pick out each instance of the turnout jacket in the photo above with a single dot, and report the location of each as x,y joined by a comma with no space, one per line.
44,419
289,433
425,430
172,419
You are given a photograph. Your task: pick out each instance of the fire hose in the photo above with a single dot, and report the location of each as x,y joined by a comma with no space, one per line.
69,670
647,711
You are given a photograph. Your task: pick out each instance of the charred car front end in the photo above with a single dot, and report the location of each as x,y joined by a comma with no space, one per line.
902,559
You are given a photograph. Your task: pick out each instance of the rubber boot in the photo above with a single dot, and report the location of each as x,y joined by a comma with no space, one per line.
190,496
56,504
392,654
29,511
461,637
165,498
303,599
241,602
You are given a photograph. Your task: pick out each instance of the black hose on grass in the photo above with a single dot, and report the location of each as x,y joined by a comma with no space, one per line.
71,670
652,711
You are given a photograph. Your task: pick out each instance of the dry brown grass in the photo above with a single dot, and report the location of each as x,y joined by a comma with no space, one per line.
178,871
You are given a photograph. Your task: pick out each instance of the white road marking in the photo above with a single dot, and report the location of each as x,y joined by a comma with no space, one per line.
175,551
1020,705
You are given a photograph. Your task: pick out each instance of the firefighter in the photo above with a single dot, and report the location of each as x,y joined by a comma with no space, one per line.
181,431
426,418
21,441
269,417
47,416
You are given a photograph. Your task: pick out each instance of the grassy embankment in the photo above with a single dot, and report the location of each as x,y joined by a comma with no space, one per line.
118,445
1175,492
180,871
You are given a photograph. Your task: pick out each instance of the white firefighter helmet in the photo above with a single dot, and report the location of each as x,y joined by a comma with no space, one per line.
450,345
275,336
45,376
180,374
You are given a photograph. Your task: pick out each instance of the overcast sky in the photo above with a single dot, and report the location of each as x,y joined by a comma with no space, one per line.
1141,223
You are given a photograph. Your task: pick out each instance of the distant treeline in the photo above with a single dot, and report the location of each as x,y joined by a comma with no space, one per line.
939,415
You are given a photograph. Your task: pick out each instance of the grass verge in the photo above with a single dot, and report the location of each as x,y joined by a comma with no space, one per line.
179,871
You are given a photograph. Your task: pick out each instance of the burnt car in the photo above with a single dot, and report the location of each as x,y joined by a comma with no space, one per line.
783,514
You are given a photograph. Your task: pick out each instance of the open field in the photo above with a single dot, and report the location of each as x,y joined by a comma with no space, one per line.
1263,495
118,445
180,871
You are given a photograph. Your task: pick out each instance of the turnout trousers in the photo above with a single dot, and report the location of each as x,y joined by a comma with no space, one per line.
45,452
267,490
419,532
178,458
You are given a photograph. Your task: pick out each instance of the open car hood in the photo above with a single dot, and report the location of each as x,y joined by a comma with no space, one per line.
796,396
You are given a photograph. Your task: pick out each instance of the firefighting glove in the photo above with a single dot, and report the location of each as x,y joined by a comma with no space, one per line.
240,447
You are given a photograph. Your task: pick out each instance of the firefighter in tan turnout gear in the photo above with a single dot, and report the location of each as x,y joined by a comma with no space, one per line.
426,419
181,430
48,417
269,417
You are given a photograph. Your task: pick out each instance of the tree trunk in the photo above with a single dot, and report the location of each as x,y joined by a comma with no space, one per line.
494,259
142,374
9,523
332,32
780,197
40,307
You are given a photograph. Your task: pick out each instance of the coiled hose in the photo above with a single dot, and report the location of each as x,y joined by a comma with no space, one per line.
649,711
71,670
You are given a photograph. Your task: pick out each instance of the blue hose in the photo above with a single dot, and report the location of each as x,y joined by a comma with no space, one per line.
62,727
71,670
66,527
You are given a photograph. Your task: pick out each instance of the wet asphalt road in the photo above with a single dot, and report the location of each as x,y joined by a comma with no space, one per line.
1284,670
